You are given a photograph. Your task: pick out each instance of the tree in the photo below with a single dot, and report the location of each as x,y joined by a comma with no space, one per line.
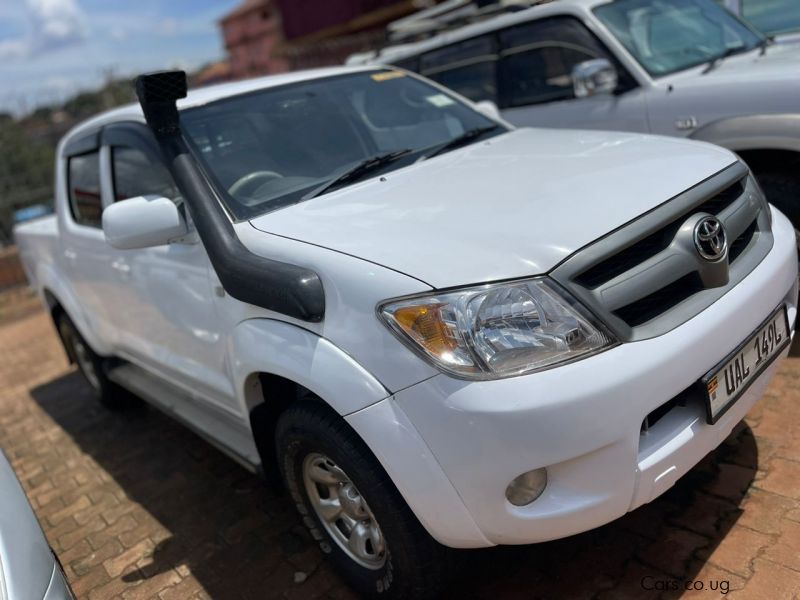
26,172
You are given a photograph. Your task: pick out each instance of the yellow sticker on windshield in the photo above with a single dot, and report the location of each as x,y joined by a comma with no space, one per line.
387,75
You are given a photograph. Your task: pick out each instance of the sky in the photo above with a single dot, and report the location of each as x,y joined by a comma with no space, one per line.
51,49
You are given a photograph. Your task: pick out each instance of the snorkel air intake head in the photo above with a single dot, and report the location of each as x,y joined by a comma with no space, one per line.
158,94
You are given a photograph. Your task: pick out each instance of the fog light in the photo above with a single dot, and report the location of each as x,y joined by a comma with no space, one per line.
527,487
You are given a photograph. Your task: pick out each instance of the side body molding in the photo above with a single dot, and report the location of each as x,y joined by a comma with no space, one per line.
768,132
278,348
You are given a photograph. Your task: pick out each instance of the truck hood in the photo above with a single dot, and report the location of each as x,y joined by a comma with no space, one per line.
512,206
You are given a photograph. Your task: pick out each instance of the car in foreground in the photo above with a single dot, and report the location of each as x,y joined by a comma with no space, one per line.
29,570
438,330
684,68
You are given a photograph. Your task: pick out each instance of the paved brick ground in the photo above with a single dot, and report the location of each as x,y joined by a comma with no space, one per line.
138,507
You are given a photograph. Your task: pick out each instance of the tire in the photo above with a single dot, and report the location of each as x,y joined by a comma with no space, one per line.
91,366
312,439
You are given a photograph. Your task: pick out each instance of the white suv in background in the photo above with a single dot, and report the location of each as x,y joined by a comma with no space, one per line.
685,68
439,330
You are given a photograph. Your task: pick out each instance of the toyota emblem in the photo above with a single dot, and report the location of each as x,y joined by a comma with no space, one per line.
710,239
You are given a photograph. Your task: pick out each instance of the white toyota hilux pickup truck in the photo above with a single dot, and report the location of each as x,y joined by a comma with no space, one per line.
439,330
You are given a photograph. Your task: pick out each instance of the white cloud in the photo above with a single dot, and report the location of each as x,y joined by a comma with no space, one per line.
118,34
181,63
54,24
168,26
13,49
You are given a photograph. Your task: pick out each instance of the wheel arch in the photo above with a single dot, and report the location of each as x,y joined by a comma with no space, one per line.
59,297
272,395
55,308
753,132
275,363
386,433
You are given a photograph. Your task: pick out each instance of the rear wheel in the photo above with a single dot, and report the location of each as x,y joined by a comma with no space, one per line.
91,366
353,510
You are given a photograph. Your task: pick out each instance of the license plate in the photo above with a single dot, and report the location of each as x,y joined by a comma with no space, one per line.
728,380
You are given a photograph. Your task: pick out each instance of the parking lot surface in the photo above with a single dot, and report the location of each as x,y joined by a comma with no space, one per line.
136,506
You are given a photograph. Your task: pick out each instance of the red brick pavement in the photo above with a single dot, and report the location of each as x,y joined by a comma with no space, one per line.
138,507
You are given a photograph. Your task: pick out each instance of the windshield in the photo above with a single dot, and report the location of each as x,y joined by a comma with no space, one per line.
275,147
772,16
666,36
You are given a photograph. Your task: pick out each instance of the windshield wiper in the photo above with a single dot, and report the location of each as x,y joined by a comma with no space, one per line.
712,64
460,140
765,43
368,165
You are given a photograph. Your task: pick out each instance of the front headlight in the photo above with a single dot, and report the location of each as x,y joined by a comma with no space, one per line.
497,330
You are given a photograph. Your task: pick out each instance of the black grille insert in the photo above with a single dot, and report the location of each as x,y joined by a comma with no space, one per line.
657,241
719,202
740,244
647,308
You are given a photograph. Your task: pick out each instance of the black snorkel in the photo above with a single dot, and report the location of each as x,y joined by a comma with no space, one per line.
281,287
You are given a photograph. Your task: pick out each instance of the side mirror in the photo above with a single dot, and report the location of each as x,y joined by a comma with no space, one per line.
143,222
592,77
489,109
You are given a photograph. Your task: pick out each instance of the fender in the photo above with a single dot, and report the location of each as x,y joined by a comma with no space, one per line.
279,348
50,280
752,132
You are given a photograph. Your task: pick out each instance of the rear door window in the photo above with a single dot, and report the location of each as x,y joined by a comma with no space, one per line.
86,204
468,67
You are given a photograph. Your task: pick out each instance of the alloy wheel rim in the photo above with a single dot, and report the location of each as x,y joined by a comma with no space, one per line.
85,363
343,511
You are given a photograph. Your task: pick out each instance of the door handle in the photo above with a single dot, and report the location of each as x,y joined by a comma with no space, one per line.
121,266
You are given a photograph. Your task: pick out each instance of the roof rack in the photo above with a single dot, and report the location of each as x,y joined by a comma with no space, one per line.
449,15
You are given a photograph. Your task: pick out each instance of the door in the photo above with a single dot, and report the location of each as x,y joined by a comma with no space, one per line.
165,313
85,254
535,79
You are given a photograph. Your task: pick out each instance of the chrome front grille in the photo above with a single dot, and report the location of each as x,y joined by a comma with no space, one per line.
647,277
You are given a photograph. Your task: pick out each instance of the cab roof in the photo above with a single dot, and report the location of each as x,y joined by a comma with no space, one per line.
212,93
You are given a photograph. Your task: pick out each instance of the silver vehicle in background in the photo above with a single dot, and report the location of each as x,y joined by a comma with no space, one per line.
28,568
685,68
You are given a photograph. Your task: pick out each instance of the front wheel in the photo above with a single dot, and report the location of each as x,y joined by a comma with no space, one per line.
353,510
91,366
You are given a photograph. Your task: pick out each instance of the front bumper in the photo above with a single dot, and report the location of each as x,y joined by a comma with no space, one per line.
582,421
